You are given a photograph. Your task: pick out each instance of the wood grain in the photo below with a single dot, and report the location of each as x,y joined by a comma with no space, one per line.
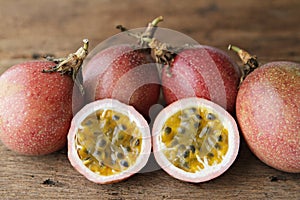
28,28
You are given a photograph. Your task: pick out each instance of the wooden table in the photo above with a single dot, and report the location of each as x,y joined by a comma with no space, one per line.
29,28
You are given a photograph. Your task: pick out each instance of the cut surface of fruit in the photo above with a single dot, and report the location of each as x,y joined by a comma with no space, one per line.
108,141
195,140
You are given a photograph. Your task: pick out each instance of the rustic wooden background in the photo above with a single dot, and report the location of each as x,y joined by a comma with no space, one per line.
29,28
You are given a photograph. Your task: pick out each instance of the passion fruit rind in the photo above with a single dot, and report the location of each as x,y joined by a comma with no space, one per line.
195,140
108,141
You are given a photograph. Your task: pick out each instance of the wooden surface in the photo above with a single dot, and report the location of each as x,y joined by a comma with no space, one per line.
29,28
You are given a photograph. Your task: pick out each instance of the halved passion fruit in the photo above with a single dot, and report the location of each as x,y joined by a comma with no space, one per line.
195,140
108,141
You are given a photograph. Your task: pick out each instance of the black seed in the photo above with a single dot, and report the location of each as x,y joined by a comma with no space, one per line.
198,116
220,138
123,127
217,146
181,130
86,151
98,153
186,165
197,124
120,155
192,148
101,163
124,163
210,155
211,116
186,153
115,117
89,122
168,130
97,133
102,143
193,109
98,117
128,149
137,142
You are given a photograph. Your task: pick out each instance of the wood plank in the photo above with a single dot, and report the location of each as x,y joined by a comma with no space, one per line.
269,29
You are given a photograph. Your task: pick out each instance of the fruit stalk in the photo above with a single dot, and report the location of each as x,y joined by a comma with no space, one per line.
150,30
161,52
250,62
71,64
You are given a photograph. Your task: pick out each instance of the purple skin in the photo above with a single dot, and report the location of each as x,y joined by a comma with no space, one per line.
267,109
125,74
205,72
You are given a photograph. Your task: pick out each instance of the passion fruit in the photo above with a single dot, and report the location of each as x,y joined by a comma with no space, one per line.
202,71
36,107
268,114
108,141
267,109
195,140
123,73
122,68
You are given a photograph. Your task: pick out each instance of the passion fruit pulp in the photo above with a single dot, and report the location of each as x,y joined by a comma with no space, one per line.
195,140
108,141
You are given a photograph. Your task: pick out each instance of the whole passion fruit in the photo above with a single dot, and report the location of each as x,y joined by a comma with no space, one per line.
195,140
202,71
36,105
108,141
268,112
124,73
35,108
122,68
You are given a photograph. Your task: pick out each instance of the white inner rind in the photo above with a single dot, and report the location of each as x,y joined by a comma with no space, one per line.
209,172
124,109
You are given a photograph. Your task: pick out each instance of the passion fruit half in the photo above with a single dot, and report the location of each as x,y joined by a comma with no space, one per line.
108,141
195,140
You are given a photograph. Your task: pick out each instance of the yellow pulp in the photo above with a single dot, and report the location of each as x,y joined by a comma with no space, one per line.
108,142
194,138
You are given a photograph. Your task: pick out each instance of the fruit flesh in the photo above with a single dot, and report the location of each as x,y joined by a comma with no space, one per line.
107,142
194,138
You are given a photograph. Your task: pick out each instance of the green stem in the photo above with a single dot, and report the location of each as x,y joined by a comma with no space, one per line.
157,20
234,48
85,44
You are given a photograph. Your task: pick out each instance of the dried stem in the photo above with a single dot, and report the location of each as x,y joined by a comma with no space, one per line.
163,53
71,64
150,30
250,61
